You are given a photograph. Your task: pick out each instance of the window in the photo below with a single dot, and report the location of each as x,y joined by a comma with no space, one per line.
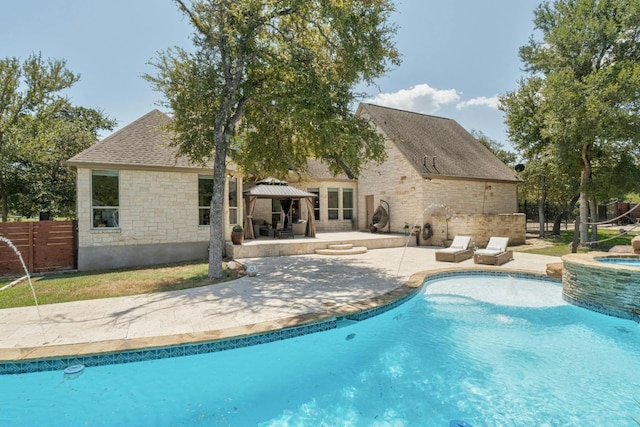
295,211
275,212
205,193
316,202
233,201
347,203
332,203
105,198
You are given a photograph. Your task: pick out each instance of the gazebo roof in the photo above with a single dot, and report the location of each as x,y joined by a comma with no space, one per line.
272,188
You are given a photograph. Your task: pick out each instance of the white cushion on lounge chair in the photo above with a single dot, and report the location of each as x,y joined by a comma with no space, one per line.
451,250
489,252
460,243
496,246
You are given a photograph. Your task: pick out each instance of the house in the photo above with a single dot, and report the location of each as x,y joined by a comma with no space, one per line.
139,203
439,177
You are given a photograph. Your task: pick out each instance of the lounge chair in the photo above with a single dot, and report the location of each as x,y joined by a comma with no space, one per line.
495,253
458,251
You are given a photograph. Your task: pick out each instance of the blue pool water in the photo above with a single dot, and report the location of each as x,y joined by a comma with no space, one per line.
634,262
492,351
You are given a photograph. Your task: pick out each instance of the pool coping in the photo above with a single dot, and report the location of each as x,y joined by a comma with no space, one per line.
58,357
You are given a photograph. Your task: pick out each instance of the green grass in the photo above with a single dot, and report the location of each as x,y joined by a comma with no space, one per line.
561,245
57,288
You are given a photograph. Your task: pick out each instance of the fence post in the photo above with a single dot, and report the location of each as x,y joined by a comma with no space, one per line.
31,247
74,225
576,236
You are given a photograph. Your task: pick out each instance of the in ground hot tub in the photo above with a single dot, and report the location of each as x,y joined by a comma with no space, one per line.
603,282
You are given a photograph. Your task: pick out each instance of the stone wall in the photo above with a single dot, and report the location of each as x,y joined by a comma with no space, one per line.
414,200
325,224
480,227
395,182
611,289
158,221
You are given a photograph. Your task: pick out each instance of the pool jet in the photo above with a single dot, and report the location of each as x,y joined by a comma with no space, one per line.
26,271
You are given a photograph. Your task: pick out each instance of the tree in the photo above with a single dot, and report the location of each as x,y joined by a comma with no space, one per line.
508,157
36,134
274,81
581,99
49,138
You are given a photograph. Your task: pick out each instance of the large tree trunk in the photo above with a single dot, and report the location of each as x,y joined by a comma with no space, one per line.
585,177
216,228
3,201
584,218
593,208
541,202
564,214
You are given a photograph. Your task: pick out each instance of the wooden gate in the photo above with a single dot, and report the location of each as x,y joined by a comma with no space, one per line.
44,245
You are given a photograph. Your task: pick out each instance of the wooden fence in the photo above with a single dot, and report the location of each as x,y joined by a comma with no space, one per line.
44,245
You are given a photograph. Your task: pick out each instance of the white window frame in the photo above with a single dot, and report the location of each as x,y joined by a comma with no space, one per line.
233,209
333,211
347,209
109,215
316,202
202,209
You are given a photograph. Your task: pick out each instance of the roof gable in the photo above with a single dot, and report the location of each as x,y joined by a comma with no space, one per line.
142,143
437,146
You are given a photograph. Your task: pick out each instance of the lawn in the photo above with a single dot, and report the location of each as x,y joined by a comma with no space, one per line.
56,288
561,245
65,287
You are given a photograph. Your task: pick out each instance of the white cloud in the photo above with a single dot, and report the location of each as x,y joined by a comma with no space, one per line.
420,99
481,101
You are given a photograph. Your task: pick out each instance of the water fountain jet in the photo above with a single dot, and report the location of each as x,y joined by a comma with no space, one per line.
417,227
26,271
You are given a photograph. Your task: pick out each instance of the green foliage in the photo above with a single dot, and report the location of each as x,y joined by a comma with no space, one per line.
39,131
577,108
237,228
508,157
271,84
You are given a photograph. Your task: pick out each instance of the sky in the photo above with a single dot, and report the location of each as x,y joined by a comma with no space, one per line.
458,56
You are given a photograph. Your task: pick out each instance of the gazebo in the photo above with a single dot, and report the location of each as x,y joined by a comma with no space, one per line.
272,188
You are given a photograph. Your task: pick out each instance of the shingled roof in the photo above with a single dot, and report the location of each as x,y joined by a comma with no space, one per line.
271,188
437,146
143,143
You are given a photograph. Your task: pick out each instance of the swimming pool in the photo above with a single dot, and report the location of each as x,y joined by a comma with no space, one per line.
490,350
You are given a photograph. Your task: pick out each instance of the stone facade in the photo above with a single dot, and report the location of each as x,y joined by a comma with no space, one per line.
397,183
611,289
478,208
323,186
480,227
158,221
262,212
157,216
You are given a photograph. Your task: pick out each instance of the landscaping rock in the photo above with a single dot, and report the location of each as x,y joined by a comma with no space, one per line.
554,270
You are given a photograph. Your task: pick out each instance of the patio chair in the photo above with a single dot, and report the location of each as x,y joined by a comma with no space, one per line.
495,253
458,251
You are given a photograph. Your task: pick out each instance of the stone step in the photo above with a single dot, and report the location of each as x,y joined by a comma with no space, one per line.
352,251
340,246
